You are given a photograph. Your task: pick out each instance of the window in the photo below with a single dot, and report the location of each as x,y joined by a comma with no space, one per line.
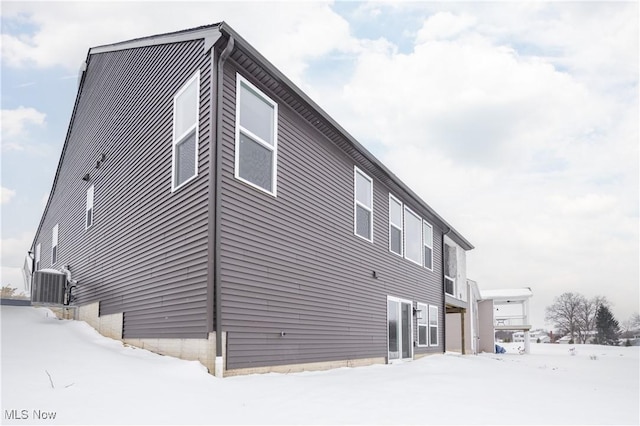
433,326
363,205
395,225
427,240
89,209
256,137
423,324
413,236
450,269
185,132
54,244
38,248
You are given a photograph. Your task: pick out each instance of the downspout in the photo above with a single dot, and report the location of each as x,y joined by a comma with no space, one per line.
219,362
444,296
32,256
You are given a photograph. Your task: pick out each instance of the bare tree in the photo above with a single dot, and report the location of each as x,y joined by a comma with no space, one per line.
631,326
635,321
565,313
587,311
7,292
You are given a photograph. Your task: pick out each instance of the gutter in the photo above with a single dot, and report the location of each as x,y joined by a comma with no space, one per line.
219,362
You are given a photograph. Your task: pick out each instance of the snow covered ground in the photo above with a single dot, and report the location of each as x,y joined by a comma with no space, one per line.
67,370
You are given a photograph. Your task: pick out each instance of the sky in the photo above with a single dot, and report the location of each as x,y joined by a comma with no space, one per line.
526,114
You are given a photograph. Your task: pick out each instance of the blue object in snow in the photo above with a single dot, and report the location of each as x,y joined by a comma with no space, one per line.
500,349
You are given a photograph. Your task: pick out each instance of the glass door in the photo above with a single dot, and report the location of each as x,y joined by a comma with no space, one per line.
400,328
393,316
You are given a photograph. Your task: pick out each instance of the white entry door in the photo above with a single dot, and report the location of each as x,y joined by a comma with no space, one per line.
400,328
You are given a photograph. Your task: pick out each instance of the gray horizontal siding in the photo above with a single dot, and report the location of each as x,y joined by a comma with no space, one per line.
146,253
292,264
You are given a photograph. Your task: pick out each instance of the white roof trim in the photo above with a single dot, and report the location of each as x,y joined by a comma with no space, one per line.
506,294
210,36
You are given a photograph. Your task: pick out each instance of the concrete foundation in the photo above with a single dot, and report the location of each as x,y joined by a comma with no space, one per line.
202,350
312,366
107,325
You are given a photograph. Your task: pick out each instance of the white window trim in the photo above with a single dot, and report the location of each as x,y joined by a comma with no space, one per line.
54,244
453,286
274,172
407,209
411,322
423,313
178,138
401,228
437,326
453,279
37,255
89,206
424,243
356,170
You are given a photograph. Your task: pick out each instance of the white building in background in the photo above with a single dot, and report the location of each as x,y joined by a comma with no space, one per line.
534,336
473,319
505,309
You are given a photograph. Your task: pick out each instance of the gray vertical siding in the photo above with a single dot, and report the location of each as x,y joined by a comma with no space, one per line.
292,264
146,253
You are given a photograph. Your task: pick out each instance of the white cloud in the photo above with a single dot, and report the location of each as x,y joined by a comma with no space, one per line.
16,124
6,195
477,102
283,37
498,122
12,276
444,25
14,250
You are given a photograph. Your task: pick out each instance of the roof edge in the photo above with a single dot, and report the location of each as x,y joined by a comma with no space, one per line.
257,56
209,33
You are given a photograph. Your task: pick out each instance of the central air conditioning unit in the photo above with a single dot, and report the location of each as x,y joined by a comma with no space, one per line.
49,287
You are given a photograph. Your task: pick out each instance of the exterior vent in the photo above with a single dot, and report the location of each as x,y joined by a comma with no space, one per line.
48,287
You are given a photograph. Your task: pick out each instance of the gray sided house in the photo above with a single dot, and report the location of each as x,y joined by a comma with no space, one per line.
205,207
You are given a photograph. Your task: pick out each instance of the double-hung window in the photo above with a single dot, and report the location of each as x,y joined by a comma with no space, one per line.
37,255
256,137
433,326
413,236
185,132
363,205
427,240
395,225
89,208
423,324
54,244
